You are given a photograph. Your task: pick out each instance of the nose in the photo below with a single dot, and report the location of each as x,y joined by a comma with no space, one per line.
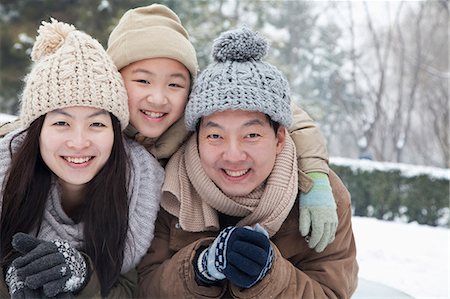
157,96
234,152
78,139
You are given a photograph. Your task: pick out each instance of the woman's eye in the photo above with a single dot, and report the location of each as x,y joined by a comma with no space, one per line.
60,123
97,124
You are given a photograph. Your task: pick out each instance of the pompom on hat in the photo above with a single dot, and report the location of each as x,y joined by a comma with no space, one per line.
152,31
239,80
71,69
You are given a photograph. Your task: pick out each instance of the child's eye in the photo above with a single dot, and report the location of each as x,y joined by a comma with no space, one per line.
143,81
176,85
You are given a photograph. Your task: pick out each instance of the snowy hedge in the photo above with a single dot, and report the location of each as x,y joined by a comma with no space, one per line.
393,191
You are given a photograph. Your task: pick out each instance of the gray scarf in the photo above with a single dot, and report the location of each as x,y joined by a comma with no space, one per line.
144,189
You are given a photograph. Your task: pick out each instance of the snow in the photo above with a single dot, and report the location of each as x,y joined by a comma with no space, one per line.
407,170
412,258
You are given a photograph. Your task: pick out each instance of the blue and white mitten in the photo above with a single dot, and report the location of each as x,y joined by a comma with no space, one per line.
318,215
242,255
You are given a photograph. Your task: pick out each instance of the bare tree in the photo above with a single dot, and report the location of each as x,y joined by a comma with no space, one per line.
399,81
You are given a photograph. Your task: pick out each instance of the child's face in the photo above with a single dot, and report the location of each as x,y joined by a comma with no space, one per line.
75,143
238,149
158,90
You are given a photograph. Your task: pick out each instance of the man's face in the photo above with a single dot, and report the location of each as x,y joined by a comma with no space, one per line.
158,89
238,149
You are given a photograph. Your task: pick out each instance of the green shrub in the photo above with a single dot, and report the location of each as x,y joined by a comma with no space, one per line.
391,194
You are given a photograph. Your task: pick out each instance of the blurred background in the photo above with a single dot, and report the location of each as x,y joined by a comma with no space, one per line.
373,74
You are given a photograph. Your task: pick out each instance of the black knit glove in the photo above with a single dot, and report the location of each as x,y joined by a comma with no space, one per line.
242,255
55,266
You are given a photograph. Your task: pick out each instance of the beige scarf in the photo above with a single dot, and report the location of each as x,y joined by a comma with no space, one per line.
190,195
163,147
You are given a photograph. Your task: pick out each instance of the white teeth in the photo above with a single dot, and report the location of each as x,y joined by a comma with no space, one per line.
152,114
236,173
77,160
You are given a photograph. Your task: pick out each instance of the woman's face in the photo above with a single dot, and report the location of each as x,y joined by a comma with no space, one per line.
75,143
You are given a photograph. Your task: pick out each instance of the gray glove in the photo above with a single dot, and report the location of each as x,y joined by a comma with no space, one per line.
17,288
55,266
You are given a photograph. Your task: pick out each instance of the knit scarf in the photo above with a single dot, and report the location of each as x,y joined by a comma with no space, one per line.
144,186
163,147
190,195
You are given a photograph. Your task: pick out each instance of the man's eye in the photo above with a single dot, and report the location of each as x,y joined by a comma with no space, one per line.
253,135
213,136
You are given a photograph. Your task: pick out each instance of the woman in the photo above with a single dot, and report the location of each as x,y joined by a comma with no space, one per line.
78,203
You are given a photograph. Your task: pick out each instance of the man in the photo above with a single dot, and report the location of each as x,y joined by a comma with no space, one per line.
228,226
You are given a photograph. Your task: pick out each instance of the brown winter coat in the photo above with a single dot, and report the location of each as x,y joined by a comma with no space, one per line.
297,272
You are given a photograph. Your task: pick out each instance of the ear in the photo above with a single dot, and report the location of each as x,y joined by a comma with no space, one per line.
281,138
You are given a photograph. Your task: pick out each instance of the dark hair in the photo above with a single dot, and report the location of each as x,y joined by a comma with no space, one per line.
104,213
275,125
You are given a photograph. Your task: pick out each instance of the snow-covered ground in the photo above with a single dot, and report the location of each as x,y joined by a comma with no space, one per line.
410,257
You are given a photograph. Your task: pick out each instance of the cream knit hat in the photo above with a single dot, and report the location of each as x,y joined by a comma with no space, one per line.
71,69
152,31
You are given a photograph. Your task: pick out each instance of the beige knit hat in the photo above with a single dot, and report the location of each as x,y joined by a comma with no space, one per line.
152,31
71,69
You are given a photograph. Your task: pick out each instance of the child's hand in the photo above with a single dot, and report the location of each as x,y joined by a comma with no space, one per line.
318,216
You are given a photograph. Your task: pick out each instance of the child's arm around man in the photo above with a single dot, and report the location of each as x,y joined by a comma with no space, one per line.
228,224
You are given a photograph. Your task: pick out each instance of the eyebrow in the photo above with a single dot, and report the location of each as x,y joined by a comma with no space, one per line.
252,122
174,75
60,111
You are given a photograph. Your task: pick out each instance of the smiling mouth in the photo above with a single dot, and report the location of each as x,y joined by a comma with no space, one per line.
152,114
237,173
78,160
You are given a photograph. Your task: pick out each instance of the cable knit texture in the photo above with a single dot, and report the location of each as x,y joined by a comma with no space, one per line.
144,197
201,199
239,79
71,69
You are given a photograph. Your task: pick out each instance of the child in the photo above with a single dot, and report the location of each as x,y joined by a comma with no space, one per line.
151,49
228,221
77,202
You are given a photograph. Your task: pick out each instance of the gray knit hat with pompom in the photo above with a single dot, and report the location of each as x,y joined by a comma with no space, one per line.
239,80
